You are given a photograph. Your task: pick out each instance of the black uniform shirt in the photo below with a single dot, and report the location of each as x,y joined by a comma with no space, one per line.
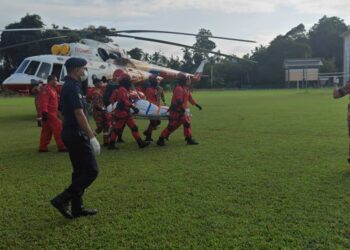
71,99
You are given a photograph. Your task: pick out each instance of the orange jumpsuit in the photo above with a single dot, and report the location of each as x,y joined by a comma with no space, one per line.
153,96
177,115
102,119
122,116
53,125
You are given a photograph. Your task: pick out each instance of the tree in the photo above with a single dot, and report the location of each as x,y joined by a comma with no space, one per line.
326,41
187,61
13,57
135,53
202,42
174,63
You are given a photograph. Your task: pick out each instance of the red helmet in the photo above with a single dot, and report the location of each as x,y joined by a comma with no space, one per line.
117,73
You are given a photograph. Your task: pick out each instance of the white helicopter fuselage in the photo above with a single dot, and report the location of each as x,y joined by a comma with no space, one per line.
103,60
38,68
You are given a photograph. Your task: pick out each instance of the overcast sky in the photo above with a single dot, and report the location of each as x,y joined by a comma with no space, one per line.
247,19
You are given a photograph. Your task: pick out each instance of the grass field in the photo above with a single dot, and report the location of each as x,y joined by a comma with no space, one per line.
270,172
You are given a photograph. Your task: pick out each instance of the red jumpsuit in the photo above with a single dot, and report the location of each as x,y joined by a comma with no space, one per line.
102,119
177,115
152,96
53,125
114,96
36,91
122,116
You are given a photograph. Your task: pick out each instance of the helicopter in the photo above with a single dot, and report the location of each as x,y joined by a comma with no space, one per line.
103,60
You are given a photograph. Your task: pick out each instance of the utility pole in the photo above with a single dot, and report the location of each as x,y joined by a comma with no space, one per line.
211,75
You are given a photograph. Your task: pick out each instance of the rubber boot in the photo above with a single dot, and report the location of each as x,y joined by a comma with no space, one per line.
161,142
120,139
112,146
148,136
105,140
142,144
191,141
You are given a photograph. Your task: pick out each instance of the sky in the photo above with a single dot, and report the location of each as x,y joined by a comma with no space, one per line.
246,19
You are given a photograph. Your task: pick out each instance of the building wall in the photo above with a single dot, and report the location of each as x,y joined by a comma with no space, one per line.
293,75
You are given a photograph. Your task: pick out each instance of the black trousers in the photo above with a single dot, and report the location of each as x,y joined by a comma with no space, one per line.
85,168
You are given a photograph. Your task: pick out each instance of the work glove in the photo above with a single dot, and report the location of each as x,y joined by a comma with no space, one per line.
136,110
96,148
44,116
199,106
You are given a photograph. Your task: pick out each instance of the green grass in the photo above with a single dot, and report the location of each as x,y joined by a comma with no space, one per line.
270,173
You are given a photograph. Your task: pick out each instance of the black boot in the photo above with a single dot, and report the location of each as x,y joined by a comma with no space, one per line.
142,144
78,209
161,142
112,146
191,141
61,203
105,140
120,139
148,136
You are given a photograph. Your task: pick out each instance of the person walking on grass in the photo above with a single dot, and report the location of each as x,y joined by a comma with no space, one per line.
80,141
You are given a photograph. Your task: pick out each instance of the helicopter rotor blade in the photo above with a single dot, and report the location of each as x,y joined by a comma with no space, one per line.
130,31
27,43
183,33
184,46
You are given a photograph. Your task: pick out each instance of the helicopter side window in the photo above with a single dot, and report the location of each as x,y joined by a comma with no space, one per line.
103,54
22,67
63,75
115,55
44,70
32,68
56,70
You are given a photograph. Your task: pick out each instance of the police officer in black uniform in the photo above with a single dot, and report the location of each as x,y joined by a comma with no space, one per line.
79,139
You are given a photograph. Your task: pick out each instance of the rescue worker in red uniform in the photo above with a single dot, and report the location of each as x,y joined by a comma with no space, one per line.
51,124
99,111
122,115
36,91
153,95
114,98
177,111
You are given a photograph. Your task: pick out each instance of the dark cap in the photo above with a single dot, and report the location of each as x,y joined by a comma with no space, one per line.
75,62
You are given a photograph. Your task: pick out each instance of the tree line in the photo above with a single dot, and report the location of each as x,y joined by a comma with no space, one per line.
323,40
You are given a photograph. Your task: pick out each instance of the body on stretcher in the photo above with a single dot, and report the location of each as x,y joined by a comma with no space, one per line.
148,110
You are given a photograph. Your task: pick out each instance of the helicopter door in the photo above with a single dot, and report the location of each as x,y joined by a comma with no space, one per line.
56,70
